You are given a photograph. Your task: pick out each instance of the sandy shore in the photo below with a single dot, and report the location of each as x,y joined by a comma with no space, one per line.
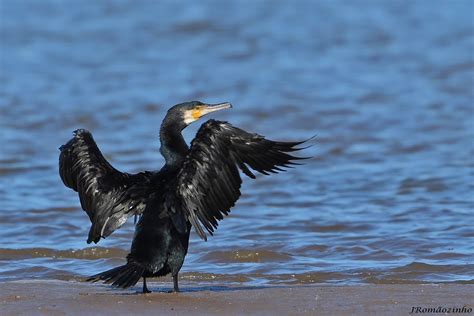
77,298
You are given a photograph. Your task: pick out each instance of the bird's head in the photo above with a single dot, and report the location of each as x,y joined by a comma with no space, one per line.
189,112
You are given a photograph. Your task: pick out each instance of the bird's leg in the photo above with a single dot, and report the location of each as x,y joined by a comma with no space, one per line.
175,283
145,289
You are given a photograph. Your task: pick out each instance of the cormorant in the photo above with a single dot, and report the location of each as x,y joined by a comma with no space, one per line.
196,187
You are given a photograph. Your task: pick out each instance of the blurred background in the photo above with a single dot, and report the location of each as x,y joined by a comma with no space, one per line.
387,87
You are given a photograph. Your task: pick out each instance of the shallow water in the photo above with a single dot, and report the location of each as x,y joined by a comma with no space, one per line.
386,87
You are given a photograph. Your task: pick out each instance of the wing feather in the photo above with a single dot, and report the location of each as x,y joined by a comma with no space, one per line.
209,181
107,195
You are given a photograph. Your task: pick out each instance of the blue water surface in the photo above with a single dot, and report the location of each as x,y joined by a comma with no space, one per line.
386,87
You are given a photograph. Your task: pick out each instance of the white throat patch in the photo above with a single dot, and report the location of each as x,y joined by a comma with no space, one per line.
188,117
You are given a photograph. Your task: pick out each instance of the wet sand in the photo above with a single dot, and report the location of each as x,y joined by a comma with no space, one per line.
31,297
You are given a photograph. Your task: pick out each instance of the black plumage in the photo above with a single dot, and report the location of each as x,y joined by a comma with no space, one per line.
196,187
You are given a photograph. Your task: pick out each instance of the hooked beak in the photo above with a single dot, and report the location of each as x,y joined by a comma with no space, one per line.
198,112
209,108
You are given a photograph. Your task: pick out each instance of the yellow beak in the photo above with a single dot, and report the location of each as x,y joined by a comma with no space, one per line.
199,111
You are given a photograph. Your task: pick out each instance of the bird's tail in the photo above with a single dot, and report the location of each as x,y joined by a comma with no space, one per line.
124,276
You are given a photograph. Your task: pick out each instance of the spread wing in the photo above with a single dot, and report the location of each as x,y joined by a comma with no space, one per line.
107,195
209,181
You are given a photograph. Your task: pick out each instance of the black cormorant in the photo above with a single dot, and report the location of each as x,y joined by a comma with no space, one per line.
196,187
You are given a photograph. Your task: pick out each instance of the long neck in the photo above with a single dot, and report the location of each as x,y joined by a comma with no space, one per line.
173,146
